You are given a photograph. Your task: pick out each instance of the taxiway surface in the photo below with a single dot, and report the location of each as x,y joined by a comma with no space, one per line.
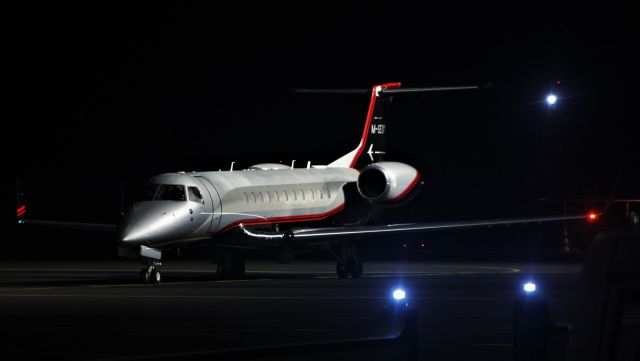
98,310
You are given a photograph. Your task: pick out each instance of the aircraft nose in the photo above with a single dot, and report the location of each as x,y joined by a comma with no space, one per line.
131,235
133,230
149,222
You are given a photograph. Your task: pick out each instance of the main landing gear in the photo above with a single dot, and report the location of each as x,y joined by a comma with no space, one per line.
348,261
230,265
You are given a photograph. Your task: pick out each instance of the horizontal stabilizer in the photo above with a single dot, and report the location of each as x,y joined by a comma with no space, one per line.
390,90
331,91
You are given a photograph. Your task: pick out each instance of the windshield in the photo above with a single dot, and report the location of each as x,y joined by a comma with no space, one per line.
162,192
170,192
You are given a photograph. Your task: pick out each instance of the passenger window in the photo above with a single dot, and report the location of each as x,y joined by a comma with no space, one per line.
194,195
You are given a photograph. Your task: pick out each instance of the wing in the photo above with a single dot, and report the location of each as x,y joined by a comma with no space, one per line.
22,209
72,225
337,233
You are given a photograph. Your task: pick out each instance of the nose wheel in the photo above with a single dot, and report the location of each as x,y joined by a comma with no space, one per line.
151,273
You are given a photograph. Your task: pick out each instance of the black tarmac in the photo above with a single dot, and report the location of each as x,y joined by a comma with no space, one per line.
81,310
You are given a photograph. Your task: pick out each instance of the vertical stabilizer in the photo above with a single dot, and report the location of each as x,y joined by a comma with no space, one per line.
373,143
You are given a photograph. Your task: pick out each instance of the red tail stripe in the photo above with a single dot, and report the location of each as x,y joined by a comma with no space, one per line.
365,133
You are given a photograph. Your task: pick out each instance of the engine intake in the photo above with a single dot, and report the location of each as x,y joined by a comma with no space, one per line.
387,181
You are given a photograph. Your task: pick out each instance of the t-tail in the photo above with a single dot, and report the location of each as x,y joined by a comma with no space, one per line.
373,143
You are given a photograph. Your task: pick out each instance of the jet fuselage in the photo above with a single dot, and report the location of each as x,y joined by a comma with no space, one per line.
182,207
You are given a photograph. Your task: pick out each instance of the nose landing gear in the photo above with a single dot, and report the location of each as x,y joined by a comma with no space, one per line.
151,272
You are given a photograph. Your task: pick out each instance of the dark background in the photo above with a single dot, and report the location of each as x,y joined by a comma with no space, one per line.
117,93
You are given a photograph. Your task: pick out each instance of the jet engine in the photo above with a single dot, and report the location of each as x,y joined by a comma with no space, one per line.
386,181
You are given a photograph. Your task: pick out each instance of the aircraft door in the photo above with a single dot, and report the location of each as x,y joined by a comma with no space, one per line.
213,206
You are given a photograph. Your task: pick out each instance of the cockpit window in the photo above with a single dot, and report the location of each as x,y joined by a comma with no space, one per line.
147,193
194,195
170,192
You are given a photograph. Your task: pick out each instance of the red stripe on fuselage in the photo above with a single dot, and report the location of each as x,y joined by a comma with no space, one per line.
409,188
372,105
287,219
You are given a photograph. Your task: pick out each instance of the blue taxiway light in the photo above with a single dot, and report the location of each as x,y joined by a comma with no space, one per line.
529,287
399,294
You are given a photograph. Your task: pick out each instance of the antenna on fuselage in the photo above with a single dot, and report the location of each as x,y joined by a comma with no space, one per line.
292,163
232,163
308,164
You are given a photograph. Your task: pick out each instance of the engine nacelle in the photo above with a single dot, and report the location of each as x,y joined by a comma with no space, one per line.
387,181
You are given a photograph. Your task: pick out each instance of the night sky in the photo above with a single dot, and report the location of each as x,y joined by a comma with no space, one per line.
119,93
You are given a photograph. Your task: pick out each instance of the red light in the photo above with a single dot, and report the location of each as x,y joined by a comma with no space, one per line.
422,245
404,245
592,216
557,82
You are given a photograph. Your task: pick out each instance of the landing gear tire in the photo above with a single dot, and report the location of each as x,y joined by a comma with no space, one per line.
145,275
355,267
150,275
237,267
230,265
341,270
151,272
155,276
